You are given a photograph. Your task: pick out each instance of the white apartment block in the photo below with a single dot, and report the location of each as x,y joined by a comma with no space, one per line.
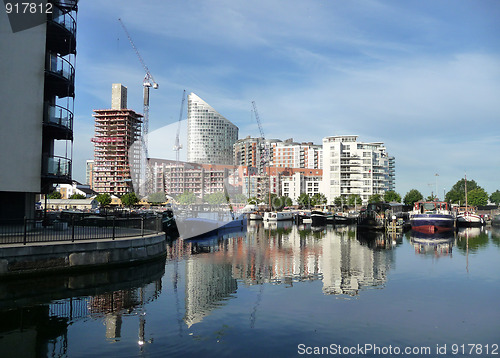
297,155
352,167
210,136
298,183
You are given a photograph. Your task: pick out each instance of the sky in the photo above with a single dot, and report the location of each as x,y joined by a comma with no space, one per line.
423,77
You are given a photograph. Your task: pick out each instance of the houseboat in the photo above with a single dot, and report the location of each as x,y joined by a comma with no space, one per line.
432,217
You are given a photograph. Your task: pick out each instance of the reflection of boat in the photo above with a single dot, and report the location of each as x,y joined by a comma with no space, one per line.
276,225
438,244
495,221
468,232
432,217
278,215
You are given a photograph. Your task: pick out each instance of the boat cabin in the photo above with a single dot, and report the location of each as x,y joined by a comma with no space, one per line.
429,207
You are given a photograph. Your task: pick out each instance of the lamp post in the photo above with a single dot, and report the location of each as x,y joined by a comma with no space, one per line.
436,175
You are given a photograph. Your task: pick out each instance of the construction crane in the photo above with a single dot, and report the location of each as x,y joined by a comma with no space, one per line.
264,153
178,145
149,81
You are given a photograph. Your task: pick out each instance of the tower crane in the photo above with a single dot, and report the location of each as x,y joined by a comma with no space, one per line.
178,145
264,154
147,83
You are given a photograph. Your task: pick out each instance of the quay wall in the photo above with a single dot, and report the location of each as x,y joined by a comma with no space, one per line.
38,258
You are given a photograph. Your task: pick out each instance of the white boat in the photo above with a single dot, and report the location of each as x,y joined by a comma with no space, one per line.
255,216
470,218
278,215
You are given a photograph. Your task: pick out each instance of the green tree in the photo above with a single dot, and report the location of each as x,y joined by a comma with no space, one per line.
392,196
457,193
187,198
103,199
287,201
412,197
129,199
375,198
157,198
338,201
318,199
495,197
304,200
354,199
240,198
77,196
216,198
54,195
253,200
477,197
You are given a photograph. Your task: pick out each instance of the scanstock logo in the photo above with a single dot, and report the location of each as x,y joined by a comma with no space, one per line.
24,15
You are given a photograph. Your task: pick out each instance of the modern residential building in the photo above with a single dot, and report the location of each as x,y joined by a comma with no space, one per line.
352,167
36,109
297,155
67,190
210,136
300,183
117,148
253,152
174,178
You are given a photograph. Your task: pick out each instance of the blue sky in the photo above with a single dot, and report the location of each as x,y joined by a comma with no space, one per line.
421,76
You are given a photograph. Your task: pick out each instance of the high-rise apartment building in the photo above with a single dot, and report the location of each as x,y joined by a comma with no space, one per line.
36,109
117,146
297,155
89,173
352,167
253,151
210,136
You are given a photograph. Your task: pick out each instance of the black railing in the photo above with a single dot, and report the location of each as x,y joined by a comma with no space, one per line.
75,229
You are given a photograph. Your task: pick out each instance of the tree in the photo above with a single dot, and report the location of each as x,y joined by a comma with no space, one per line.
495,197
129,199
338,201
412,197
318,199
158,197
187,198
287,201
457,193
103,199
253,200
240,198
216,198
354,199
375,198
304,200
392,196
77,196
55,195
477,197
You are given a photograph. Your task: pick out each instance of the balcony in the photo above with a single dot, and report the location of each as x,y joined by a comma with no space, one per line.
57,168
59,77
58,121
61,30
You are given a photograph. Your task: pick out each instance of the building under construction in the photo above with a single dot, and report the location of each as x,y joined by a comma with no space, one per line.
117,146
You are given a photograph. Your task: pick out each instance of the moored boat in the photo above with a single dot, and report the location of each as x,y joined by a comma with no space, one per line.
318,218
432,217
278,215
255,216
470,218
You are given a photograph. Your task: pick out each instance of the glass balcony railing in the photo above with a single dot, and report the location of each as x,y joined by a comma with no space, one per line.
55,166
57,115
64,18
61,67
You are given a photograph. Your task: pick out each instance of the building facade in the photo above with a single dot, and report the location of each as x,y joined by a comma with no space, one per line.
352,167
38,90
297,155
117,146
210,136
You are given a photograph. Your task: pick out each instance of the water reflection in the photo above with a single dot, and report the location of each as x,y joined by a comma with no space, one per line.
282,253
433,245
37,312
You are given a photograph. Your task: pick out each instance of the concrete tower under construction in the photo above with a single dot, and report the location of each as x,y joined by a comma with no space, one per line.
117,148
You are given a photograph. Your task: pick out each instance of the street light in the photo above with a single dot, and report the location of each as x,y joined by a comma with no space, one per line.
436,175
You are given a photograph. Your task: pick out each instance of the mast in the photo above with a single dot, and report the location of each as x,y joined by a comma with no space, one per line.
466,203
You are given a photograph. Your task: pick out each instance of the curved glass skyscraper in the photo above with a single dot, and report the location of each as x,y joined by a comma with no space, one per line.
210,135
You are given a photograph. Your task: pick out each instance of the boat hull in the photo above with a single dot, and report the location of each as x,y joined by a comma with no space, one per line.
470,219
432,223
191,228
278,216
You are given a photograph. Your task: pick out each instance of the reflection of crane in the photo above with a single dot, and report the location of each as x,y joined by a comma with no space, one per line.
148,82
178,145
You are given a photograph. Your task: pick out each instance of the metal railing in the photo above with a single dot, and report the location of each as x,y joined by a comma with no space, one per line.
58,115
56,166
76,229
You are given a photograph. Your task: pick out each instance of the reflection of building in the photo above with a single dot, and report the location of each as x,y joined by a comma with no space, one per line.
38,91
348,266
115,157
210,135
207,284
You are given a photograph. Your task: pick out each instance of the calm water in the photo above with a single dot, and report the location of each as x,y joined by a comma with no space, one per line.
272,291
